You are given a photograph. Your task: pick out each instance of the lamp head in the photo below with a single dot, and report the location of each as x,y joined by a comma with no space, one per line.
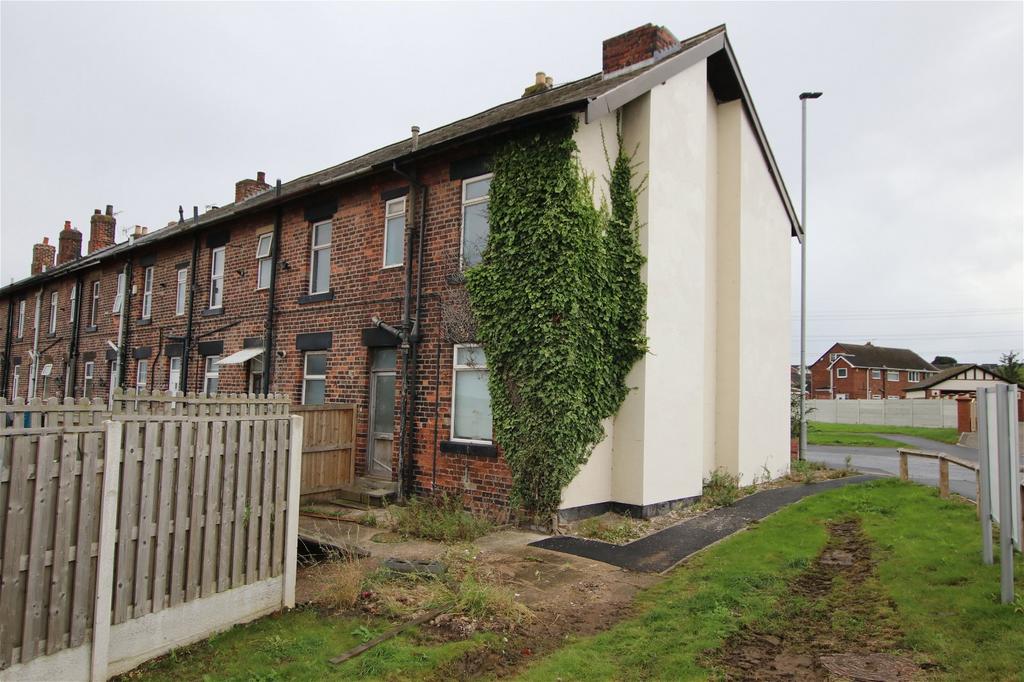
810,95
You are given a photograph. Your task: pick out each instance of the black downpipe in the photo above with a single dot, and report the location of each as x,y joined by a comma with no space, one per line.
71,373
268,339
415,335
7,347
186,346
126,319
437,406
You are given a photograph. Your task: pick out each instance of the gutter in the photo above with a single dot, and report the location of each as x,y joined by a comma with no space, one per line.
268,338
71,372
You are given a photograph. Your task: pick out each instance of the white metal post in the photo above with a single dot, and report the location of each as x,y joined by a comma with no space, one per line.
803,279
985,492
105,553
291,536
1006,493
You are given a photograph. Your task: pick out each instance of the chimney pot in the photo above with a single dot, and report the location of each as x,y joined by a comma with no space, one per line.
67,224
96,212
261,176
110,209
46,240
415,137
541,78
549,81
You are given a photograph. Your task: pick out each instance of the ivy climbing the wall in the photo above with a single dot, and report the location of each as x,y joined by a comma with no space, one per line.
559,306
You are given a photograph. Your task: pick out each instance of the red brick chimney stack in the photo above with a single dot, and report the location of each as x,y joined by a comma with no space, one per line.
101,229
42,256
642,44
250,188
69,244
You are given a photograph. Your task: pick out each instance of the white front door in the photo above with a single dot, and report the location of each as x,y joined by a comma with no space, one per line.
174,378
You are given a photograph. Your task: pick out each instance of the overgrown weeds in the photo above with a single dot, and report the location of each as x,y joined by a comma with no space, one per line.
336,582
440,518
615,529
720,488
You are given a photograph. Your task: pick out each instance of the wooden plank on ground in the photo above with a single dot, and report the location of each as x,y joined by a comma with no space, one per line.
35,590
57,621
88,512
165,505
210,526
195,522
184,449
19,510
241,489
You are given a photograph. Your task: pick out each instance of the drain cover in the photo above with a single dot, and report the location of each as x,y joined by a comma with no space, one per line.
870,667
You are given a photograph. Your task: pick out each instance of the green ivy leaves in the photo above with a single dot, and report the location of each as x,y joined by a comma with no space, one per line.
560,308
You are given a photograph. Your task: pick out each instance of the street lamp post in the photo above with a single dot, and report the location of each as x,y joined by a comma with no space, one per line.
804,96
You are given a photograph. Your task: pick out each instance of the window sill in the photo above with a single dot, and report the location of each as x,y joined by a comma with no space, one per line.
51,335
317,298
213,312
396,266
142,322
461,447
90,329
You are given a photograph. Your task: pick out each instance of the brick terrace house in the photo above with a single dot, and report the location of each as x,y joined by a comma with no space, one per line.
849,371
330,288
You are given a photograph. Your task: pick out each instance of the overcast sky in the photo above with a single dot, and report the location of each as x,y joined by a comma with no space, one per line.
916,155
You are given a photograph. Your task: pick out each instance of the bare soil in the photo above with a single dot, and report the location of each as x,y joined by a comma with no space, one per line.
833,623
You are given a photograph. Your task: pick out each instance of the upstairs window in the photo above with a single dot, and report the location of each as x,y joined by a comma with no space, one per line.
475,228
314,378
179,292
119,297
54,297
913,376
471,399
320,259
21,318
147,293
93,310
840,372
394,230
217,278
263,262
876,374
892,375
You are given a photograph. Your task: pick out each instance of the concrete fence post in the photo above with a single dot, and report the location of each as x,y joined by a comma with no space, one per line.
105,555
291,536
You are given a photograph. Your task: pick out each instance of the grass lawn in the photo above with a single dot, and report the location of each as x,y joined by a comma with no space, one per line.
922,593
822,433
943,600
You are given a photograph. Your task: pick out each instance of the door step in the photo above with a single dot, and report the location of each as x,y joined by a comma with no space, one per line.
369,492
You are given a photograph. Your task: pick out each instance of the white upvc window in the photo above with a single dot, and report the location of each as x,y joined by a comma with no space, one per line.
21,318
263,262
90,375
174,375
54,302
471,398
256,375
314,378
892,397
212,376
840,372
320,259
179,292
475,225
94,309
841,396
119,297
72,298
876,396
147,293
394,231
913,376
141,374
217,277
16,382
892,375
876,374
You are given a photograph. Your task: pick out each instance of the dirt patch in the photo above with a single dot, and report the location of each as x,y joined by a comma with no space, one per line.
834,621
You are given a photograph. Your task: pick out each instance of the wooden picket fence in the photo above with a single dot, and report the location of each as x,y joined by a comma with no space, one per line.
202,501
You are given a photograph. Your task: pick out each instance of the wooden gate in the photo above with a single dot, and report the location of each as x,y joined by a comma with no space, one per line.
328,447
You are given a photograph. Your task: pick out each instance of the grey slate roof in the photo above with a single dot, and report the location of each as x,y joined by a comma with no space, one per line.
872,356
569,97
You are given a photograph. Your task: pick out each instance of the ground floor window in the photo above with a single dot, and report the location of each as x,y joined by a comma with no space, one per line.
256,375
212,374
90,376
841,396
471,399
17,381
314,378
141,374
174,375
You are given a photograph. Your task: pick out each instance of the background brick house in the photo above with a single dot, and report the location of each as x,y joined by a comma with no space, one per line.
848,371
340,287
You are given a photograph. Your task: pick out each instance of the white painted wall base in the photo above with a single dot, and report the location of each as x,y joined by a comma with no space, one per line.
136,641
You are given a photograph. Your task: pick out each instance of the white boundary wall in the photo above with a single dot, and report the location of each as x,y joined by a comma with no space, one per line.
926,413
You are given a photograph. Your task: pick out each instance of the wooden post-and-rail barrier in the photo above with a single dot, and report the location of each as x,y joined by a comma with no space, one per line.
945,460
